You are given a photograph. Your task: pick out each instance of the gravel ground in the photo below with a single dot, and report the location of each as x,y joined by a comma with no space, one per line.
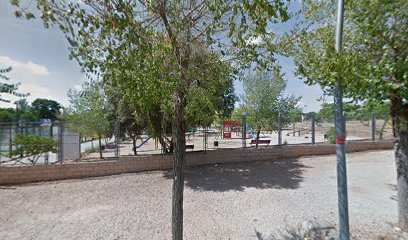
260,200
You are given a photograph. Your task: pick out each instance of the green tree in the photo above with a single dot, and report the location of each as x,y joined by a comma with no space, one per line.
381,111
326,113
372,63
351,112
46,108
229,98
7,114
132,122
27,116
32,147
263,99
158,36
24,111
22,105
87,114
210,94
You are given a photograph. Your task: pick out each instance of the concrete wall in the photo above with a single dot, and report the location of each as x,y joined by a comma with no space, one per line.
129,164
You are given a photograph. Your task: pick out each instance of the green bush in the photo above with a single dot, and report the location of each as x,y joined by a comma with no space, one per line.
331,135
32,147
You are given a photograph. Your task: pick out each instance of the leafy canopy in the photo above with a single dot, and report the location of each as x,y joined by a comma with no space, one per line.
46,108
263,99
373,60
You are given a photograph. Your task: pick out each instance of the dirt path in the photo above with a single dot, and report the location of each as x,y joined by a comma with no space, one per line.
234,201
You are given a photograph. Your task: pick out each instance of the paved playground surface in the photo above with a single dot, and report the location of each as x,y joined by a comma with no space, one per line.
260,200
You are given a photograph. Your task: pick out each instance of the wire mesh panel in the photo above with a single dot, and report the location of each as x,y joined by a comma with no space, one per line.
237,131
358,127
383,128
28,143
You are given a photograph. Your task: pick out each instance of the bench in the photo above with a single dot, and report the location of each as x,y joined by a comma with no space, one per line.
190,146
297,131
264,142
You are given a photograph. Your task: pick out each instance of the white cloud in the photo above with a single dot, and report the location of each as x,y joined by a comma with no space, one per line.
35,90
28,67
78,88
302,105
255,40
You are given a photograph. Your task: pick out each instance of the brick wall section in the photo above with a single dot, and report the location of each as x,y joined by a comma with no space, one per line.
129,164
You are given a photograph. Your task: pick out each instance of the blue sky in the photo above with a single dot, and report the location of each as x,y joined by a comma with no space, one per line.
39,58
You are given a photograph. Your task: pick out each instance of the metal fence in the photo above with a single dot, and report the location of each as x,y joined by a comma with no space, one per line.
9,132
239,131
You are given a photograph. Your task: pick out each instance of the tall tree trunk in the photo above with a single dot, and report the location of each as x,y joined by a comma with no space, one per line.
163,144
134,144
100,145
179,162
399,113
171,146
257,137
382,128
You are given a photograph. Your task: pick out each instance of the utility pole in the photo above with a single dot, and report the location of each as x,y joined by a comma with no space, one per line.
340,137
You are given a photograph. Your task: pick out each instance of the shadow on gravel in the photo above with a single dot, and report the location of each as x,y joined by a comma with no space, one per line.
299,234
238,176
288,235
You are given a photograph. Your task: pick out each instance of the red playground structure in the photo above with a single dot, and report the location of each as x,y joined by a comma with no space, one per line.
228,128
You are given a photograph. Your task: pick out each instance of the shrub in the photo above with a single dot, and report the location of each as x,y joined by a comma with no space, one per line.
331,135
32,147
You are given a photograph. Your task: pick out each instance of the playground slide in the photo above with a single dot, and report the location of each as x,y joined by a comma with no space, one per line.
145,141
251,132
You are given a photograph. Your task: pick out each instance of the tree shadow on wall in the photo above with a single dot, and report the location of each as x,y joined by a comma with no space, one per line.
238,176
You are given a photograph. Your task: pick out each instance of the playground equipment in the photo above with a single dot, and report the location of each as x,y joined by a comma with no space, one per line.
305,130
143,142
251,132
228,128
264,142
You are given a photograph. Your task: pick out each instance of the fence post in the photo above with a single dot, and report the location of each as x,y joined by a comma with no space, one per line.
373,127
17,132
294,129
10,140
46,158
117,134
51,130
205,139
61,142
279,128
244,129
313,128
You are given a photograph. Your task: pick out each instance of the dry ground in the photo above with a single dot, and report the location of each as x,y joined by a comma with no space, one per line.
260,200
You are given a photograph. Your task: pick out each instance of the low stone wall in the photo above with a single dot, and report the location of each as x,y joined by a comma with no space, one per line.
129,164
